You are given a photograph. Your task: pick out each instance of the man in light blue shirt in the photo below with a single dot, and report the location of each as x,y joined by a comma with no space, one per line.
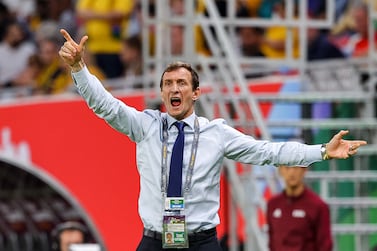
154,134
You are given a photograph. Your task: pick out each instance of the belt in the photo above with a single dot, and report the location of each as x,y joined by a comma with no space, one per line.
198,236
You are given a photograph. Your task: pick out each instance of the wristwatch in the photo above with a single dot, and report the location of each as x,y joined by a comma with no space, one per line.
324,154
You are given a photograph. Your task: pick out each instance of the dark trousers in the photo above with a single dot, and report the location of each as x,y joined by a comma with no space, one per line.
209,243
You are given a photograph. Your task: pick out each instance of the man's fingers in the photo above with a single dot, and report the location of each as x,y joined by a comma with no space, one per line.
71,45
83,41
359,142
66,35
341,133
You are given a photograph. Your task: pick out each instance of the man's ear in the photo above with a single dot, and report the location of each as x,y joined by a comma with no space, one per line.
196,94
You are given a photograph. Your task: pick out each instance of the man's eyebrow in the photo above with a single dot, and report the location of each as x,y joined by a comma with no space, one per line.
178,80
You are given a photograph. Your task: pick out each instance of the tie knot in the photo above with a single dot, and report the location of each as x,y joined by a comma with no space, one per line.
180,125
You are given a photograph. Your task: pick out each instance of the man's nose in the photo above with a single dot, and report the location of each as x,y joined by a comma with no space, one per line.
174,87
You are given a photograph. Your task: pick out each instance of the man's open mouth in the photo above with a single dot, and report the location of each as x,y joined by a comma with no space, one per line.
175,101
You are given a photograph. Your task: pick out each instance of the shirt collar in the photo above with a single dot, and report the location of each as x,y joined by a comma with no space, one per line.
190,120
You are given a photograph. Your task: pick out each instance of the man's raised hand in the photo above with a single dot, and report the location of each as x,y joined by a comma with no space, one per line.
71,52
342,149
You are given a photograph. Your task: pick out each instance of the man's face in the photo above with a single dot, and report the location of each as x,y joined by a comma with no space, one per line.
14,35
177,93
169,236
292,176
128,54
69,237
48,52
248,37
360,18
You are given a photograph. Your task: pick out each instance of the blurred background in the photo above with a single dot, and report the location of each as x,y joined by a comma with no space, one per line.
278,70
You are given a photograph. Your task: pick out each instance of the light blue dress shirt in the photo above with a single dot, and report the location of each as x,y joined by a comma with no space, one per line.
216,141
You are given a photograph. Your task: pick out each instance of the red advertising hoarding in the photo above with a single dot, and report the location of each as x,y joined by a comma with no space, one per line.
93,162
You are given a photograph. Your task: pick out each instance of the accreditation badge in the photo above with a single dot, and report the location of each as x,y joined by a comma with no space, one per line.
174,231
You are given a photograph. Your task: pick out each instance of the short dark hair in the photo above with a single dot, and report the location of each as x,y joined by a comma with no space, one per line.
176,65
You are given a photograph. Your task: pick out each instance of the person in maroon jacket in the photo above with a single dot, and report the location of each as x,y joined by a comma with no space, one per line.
298,219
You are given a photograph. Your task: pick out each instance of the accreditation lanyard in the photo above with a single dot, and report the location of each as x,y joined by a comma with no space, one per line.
164,165
174,230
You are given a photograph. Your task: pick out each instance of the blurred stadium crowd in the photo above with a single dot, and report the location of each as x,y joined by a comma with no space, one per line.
30,38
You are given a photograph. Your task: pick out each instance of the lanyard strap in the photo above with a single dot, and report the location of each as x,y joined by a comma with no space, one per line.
164,157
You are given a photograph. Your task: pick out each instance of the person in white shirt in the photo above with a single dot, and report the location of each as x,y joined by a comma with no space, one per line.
14,53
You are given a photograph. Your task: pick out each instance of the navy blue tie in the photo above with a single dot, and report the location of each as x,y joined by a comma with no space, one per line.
175,175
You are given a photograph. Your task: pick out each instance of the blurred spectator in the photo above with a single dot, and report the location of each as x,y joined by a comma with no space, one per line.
275,36
202,46
177,7
62,12
340,8
136,23
221,6
176,40
344,20
251,41
41,14
68,233
252,6
5,18
20,9
297,218
105,22
48,29
53,77
14,53
315,7
355,41
131,56
136,19
319,45
266,8
27,77
250,38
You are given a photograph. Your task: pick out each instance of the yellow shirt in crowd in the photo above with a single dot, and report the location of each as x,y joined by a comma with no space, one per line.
105,37
279,33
